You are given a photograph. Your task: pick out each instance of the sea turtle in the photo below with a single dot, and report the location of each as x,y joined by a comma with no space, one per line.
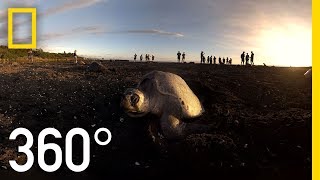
96,67
167,96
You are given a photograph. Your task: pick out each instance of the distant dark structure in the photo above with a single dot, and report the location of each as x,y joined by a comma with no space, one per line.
251,58
242,58
179,56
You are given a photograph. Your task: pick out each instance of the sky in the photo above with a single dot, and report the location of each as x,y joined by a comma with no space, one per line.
279,32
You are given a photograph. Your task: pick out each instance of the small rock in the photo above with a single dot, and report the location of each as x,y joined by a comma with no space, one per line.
236,122
122,120
137,163
75,117
4,167
15,64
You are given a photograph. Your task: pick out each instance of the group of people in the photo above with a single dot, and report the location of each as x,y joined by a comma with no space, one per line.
213,60
245,58
181,57
147,57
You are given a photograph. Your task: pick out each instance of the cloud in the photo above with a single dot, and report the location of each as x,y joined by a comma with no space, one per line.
152,31
93,30
79,4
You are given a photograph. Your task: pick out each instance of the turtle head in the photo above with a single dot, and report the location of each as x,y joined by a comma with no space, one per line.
135,103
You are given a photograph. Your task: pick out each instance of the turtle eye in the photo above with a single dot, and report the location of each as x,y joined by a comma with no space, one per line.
134,99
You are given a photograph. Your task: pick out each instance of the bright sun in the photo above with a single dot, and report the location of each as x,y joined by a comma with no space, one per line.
289,46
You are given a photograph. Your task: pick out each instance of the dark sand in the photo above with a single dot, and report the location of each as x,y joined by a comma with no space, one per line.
262,119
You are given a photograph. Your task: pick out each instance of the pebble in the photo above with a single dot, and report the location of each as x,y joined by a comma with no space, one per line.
137,163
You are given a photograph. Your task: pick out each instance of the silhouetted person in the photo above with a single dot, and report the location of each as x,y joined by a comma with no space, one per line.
183,57
75,56
214,60
152,57
179,56
242,58
227,60
141,57
202,56
251,58
224,61
220,62
30,55
247,59
210,59
135,57
230,61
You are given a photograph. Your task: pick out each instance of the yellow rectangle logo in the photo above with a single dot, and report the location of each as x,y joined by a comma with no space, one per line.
33,44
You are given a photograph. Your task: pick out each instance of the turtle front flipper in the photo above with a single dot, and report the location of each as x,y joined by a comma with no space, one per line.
173,128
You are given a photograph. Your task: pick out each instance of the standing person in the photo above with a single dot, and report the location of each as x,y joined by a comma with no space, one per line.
202,56
230,61
224,60
227,60
152,57
210,59
214,60
252,57
183,57
75,56
141,57
247,59
242,58
135,57
146,57
30,55
179,56
220,60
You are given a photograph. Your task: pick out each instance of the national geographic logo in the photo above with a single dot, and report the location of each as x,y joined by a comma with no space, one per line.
33,12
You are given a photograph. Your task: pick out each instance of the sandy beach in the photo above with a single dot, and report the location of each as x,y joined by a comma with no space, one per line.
262,119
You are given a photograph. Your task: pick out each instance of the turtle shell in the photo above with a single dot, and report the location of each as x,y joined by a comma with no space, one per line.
179,96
